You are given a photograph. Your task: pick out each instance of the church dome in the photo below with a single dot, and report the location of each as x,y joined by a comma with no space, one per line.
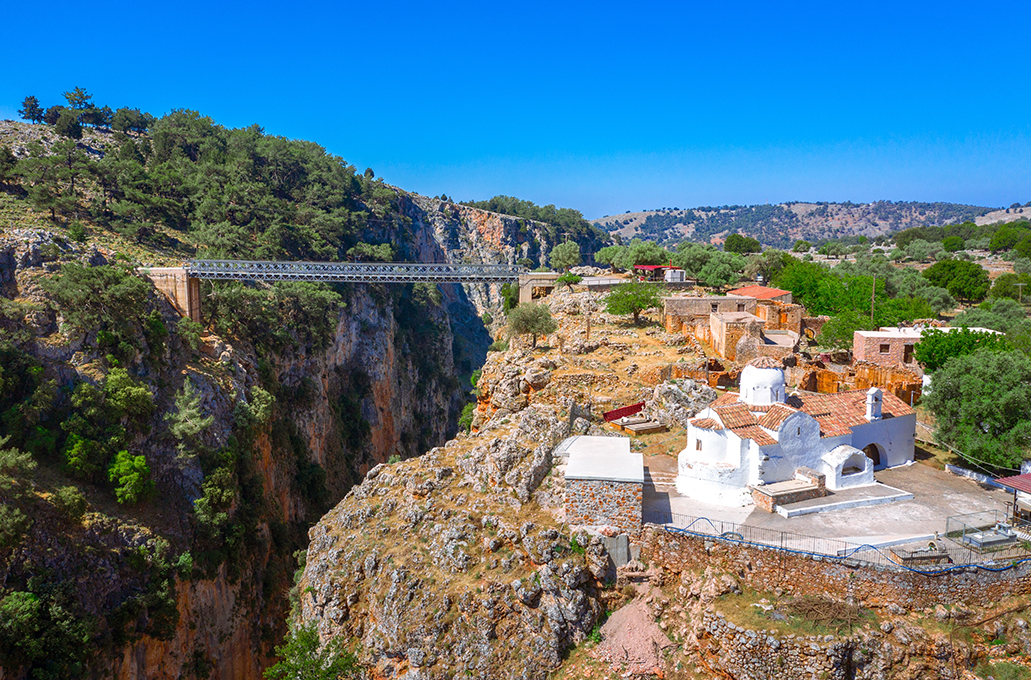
762,382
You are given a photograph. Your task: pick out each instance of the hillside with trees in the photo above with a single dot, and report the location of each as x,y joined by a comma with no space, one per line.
782,224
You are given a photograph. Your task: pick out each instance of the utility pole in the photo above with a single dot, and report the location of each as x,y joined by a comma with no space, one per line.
873,295
1020,291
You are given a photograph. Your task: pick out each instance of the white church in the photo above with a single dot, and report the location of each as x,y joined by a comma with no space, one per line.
762,436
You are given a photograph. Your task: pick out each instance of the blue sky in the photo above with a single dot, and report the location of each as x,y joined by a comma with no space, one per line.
603,107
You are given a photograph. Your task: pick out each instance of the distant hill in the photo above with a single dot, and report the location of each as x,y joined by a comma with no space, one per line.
782,224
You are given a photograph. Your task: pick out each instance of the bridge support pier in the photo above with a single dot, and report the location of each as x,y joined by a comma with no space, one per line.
527,282
181,289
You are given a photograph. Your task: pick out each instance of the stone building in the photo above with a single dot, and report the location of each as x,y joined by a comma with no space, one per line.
894,346
763,436
732,326
604,482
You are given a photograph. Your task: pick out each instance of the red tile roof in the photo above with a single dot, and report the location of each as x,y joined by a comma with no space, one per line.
836,413
1016,482
775,416
839,413
755,433
735,416
707,424
759,292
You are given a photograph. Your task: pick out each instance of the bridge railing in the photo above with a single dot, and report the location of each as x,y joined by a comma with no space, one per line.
385,272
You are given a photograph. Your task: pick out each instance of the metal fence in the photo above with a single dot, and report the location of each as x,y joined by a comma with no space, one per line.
382,272
939,558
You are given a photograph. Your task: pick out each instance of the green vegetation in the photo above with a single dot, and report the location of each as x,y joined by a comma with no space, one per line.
531,319
736,243
187,422
844,293
565,255
465,421
982,406
936,347
303,657
964,280
632,297
569,280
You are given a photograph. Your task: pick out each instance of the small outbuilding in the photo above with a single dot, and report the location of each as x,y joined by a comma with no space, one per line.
604,482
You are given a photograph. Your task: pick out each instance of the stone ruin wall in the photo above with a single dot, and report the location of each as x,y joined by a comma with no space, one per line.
767,570
592,502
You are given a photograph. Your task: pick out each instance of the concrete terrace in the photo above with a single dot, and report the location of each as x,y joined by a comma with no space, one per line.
936,495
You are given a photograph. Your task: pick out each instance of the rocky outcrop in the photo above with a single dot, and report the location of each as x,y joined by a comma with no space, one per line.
477,578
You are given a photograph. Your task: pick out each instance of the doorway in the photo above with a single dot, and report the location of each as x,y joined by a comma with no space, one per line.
873,452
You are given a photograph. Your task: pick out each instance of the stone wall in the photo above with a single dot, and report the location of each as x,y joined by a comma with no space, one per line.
769,570
592,502
780,316
866,348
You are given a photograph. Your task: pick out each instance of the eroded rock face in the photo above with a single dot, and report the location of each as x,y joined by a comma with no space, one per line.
674,404
476,579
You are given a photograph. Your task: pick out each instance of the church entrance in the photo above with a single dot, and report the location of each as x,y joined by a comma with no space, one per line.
873,452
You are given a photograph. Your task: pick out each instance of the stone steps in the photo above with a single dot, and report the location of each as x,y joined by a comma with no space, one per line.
662,481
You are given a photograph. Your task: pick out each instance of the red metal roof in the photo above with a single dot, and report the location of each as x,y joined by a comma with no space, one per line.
651,267
759,292
1016,482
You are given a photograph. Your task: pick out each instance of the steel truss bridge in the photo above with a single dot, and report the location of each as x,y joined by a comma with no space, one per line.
371,272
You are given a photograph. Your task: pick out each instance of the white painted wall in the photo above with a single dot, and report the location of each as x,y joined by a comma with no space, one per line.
895,435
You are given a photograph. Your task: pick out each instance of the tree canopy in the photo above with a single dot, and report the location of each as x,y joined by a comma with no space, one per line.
736,243
565,255
531,319
632,297
982,406
937,347
964,280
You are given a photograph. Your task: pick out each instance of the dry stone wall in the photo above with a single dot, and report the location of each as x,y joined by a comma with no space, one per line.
593,502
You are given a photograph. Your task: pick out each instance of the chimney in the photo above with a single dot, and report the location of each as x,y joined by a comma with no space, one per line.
873,404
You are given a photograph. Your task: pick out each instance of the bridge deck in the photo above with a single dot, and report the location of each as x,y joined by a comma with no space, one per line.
368,272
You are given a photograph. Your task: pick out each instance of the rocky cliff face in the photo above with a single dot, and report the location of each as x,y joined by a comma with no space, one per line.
455,564
384,385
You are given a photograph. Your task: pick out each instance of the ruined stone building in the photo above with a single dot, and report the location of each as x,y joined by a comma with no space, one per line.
764,436
738,327
894,346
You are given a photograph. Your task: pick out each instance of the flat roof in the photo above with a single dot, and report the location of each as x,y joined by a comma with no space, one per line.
760,292
602,458
916,333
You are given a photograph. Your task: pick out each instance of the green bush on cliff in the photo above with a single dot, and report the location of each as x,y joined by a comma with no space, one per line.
303,656
131,476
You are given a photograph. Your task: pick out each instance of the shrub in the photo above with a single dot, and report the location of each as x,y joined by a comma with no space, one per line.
569,280
77,231
498,346
465,421
13,523
189,332
70,501
302,656
131,476
487,319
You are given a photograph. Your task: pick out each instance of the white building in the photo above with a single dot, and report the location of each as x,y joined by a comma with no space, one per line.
762,435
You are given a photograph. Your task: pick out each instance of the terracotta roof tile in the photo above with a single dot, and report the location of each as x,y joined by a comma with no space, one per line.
707,424
755,433
735,416
775,416
724,400
839,413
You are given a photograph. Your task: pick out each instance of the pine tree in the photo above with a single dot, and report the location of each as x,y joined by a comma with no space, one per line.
79,99
187,422
31,110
